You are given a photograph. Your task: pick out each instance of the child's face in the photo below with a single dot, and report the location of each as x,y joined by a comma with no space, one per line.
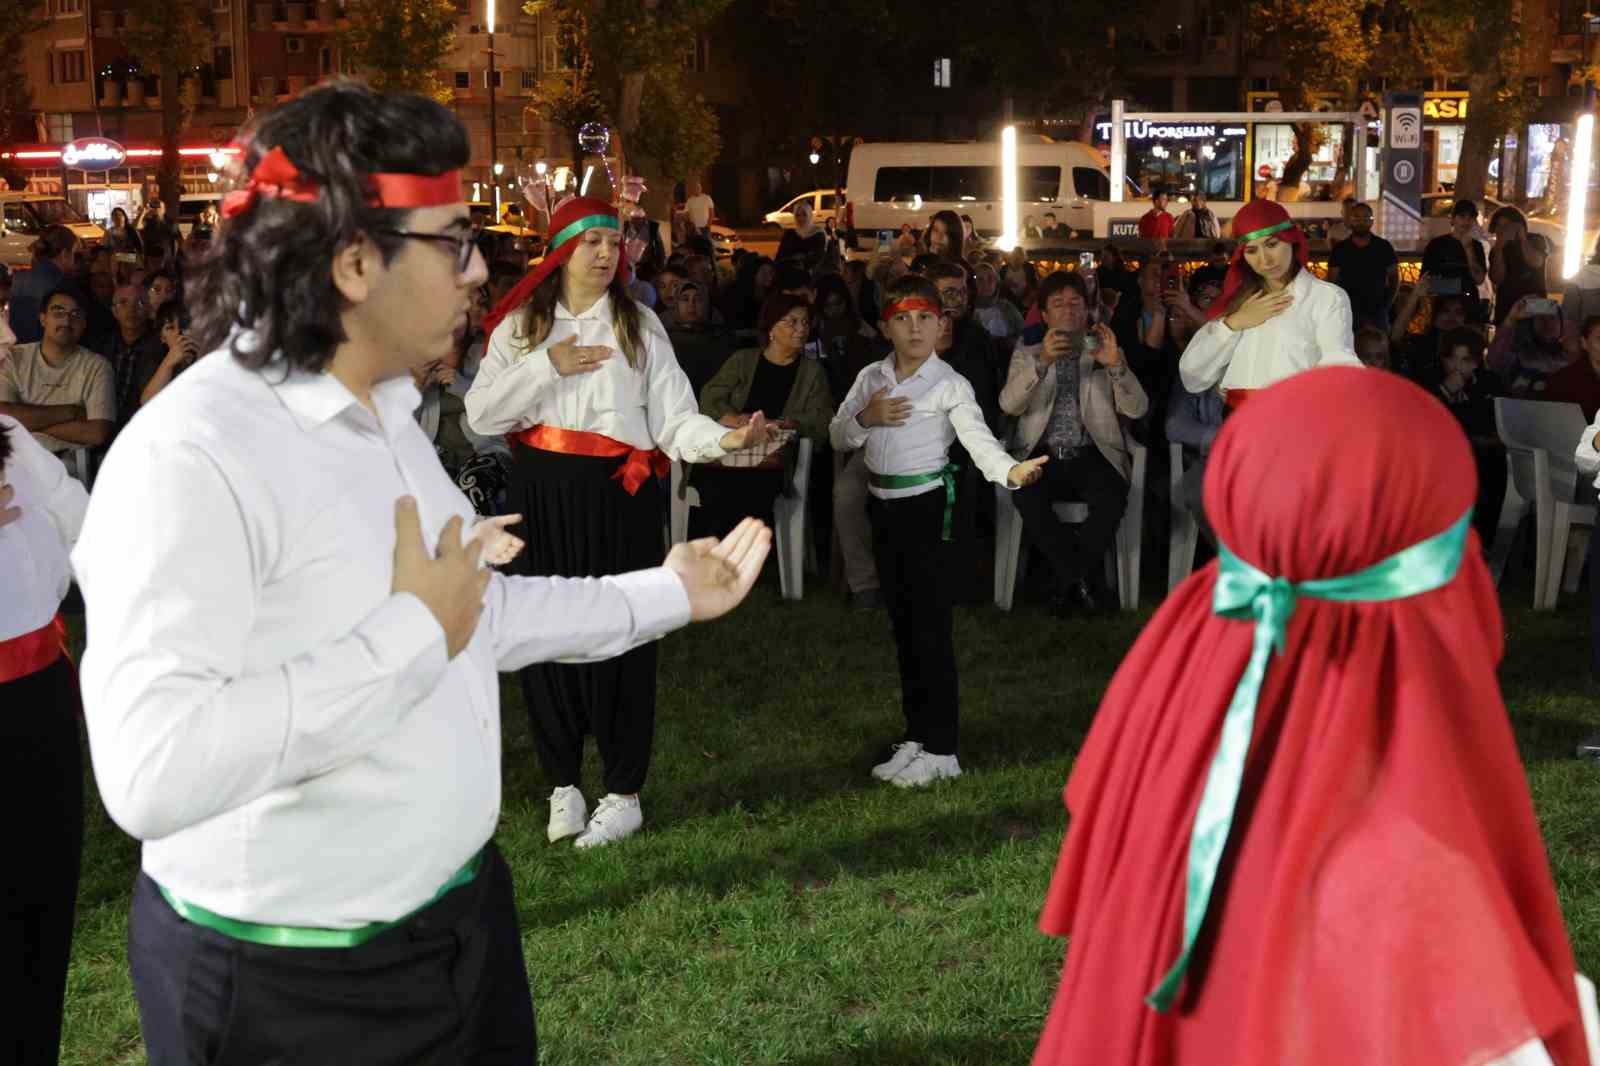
1373,353
913,333
1460,363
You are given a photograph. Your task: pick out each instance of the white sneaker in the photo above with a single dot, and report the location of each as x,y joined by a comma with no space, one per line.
568,813
926,769
900,757
615,818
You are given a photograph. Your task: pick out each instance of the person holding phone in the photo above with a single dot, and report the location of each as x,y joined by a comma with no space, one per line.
1516,262
178,352
1457,261
1529,347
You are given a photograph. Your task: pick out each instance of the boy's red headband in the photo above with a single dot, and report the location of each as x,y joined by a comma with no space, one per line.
912,303
276,177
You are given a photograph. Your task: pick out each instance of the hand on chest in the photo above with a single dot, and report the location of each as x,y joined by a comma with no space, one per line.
613,385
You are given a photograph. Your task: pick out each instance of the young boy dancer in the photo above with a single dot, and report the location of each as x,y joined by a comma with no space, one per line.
905,411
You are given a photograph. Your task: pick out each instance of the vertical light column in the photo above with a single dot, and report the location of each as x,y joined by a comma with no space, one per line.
1578,197
1008,189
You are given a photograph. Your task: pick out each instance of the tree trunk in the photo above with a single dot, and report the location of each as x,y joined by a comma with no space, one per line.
1477,145
1091,111
1299,162
171,173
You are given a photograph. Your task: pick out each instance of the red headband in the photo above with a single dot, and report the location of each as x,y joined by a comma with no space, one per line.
912,303
275,177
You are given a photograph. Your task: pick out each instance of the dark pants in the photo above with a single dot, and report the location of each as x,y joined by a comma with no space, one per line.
1192,495
445,988
1073,554
41,800
728,496
917,579
1594,605
582,523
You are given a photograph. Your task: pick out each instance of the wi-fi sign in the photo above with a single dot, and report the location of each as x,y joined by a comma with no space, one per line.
1405,128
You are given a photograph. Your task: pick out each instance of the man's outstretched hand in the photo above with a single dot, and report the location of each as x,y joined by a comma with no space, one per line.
718,575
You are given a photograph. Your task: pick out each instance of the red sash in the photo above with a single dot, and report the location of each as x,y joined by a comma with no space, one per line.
32,652
641,464
1235,398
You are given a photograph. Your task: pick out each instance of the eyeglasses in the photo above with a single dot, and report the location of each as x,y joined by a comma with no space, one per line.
61,314
465,243
796,324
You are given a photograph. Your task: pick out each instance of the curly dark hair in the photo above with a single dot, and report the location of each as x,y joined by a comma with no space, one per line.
270,269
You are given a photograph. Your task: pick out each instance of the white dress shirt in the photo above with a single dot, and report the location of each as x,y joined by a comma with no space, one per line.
943,409
1314,331
1588,454
653,407
35,568
283,731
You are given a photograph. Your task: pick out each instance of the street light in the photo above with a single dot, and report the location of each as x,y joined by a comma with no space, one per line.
494,132
1577,205
1008,189
815,158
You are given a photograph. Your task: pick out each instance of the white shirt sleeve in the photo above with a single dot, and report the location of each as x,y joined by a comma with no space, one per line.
673,413
1208,354
844,432
600,617
178,730
1588,456
961,407
508,385
59,495
1335,331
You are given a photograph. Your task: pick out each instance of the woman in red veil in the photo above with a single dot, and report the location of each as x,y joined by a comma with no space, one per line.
1300,829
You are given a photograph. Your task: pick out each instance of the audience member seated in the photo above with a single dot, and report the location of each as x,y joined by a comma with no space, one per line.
863,293
1463,387
133,344
1416,355
178,353
1192,302
701,347
965,344
62,392
160,288
1372,348
775,380
667,280
846,342
1070,394
1000,317
1193,420
1528,347
743,300
1579,381
54,256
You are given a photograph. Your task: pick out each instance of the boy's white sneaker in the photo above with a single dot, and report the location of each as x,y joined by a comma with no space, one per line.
900,757
926,769
615,818
569,813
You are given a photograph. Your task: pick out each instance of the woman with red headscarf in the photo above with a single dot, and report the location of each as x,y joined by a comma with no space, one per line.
583,380
1274,317
1300,829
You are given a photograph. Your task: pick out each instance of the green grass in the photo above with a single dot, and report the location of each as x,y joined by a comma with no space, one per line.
783,908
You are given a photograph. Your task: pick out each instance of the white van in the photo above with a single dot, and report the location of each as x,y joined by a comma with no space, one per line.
893,184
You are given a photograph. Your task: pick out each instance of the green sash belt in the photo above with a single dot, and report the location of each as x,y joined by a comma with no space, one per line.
1244,593
288,936
911,481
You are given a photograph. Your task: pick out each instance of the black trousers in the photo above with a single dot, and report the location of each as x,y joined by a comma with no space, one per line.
727,496
1594,606
917,579
582,523
1073,554
446,988
41,802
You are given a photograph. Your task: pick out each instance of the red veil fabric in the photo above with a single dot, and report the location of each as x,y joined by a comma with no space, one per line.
1385,898
1255,215
574,210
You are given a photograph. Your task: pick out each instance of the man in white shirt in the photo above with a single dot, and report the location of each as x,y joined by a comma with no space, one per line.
290,698
699,207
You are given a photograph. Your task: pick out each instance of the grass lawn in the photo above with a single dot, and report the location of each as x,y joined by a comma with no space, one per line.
781,907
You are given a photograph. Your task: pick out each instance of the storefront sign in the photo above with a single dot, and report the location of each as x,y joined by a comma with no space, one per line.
1146,131
93,154
1445,106
1400,220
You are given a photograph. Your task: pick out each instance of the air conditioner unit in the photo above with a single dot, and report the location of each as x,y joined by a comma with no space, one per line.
294,45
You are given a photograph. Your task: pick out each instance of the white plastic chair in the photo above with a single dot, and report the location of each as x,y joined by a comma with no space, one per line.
1122,560
1541,439
80,464
1185,526
792,535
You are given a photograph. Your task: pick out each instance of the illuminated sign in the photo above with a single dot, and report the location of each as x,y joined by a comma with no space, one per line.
1147,131
1445,108
93,153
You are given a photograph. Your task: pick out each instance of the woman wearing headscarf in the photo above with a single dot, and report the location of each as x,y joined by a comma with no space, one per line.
41,764
1274,317
584,381
1301,831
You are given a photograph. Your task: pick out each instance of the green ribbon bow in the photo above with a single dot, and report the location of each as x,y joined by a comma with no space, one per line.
1245,593
911,481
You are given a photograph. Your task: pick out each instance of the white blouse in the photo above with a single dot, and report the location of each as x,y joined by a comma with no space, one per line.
517,387
1314,331
35,570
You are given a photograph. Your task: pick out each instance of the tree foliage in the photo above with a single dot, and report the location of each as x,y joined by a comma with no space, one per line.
173,41
680,136
16,102
401,45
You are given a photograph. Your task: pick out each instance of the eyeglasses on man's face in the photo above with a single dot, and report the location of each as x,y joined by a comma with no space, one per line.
463,242
66,314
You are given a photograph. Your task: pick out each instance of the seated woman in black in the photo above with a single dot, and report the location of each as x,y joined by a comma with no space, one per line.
1463,385
777,380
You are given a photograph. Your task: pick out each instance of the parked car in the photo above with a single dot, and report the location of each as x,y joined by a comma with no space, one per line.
822,203
25,216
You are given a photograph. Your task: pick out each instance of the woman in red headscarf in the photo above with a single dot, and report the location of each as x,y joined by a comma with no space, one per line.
1300,829
584,381
1274,317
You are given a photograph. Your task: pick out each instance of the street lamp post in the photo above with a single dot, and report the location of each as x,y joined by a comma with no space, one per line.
494,130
